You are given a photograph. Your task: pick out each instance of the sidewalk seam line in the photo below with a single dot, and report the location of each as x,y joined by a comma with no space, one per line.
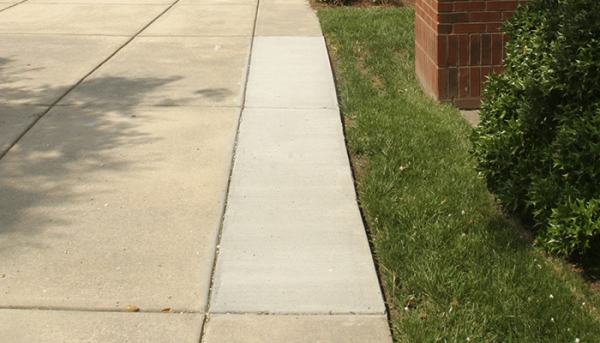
235,146
68,309
13,5
116,35
313,314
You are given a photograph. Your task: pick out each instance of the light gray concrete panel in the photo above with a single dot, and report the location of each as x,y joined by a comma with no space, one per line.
105,207
296,329
31,326
290,72
283,19
472,117
284,2
14,121
78,19
293,239
209,20
170,71
38,70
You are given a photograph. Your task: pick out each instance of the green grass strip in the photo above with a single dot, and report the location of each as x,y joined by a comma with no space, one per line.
453,267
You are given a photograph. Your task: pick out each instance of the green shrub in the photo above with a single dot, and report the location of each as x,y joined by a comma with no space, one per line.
574,227
538,144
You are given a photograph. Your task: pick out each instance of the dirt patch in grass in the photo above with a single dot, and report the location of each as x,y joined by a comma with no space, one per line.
374,78
359,164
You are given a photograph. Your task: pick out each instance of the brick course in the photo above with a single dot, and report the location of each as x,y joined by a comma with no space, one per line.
457,45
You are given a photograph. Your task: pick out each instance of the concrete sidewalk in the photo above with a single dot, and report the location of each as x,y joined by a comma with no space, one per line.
184,158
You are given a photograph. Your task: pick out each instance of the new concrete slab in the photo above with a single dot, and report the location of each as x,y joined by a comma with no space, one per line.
27,326
293,239
290,72
205,20
170,71
38,70
296,329
78,19
15,121
104,207
287,19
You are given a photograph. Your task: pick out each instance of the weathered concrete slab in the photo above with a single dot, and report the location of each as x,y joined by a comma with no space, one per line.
14,121
217,2
103,2
170,71
80,19
38,70
205,20
104,207
296,329
30,326
290,72
293,239
287,19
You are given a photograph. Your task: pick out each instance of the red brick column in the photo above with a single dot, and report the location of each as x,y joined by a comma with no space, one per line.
457,44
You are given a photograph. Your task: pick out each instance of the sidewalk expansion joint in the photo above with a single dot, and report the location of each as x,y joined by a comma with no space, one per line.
141,106
290,314
88,310
235,145
18,3
293,108
62,34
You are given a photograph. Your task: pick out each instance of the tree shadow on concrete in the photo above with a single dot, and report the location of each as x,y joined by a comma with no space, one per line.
215,94
41,175
19,86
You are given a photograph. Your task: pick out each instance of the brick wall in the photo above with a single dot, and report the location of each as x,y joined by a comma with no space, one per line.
457,44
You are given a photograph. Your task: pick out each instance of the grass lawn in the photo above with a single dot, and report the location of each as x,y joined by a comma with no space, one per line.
453,267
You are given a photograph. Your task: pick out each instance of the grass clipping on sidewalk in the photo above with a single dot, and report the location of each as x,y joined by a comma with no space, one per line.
453,268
